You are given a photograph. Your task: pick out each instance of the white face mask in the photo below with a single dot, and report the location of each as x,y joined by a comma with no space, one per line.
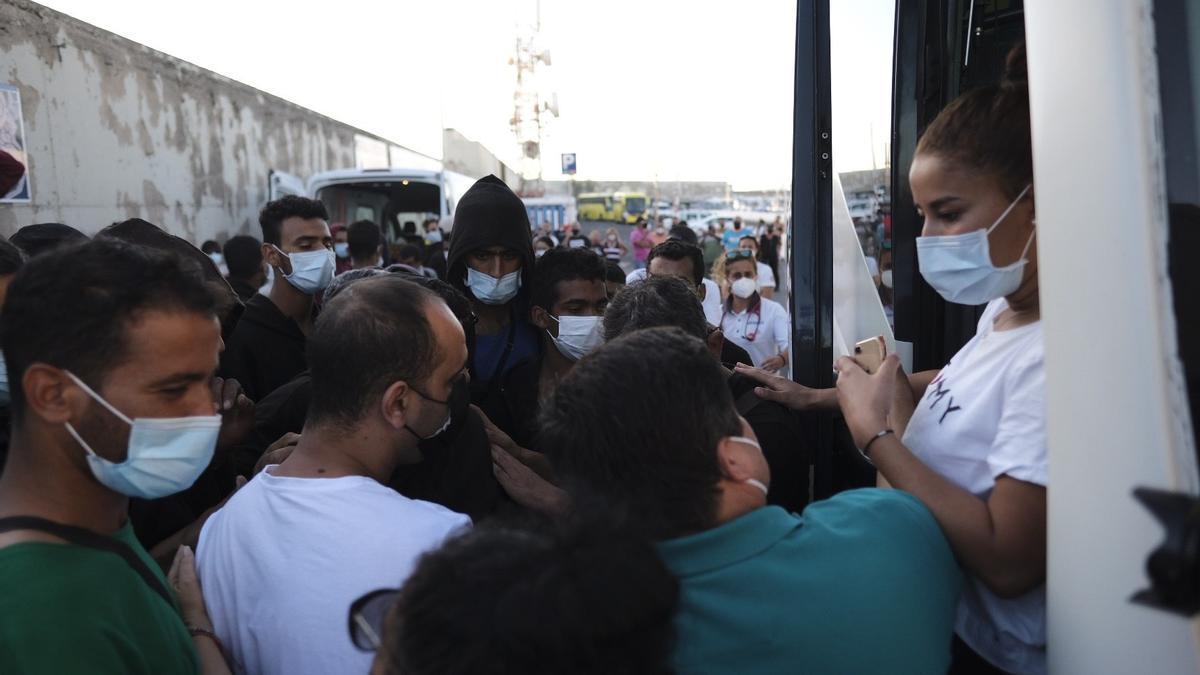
342,249
492,291
539,253
217,258
577,335
311,270
744,287
885,278
165,454
959,266
433,237
751,481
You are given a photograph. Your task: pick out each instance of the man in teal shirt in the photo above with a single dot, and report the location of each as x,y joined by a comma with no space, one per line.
863,582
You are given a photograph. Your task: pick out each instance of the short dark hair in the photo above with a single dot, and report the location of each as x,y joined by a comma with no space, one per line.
372,334
674,249
655,302
11,258
409,252
364,238
518,600
291,206
70,307
563,264
38,238
544,240
751,237
683,233
210,246
657,466
243,256
613,273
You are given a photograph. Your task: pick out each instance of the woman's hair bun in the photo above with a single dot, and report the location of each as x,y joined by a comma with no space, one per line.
1015,70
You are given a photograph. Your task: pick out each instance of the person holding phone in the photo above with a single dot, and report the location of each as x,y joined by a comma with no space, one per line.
974,448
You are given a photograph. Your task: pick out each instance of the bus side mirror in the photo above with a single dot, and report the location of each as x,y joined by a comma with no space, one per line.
1174,566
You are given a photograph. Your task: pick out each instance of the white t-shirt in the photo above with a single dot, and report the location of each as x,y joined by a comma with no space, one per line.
281,562
712,295
766,278
763,333
872,266
983,417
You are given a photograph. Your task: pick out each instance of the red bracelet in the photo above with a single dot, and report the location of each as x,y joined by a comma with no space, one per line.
195,631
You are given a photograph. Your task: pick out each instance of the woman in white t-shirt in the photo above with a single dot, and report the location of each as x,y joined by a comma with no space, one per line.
766,278
752,322
972,445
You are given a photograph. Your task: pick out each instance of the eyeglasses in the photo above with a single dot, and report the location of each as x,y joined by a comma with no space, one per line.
739,254
367,615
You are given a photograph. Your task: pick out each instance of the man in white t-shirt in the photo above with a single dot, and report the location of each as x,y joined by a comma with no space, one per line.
686,261
283,560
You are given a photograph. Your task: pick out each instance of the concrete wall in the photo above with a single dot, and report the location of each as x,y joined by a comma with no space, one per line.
116,130
471,158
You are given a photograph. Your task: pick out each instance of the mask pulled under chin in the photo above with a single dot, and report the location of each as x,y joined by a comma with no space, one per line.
490,290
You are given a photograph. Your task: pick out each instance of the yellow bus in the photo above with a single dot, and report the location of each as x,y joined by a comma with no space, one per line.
620,207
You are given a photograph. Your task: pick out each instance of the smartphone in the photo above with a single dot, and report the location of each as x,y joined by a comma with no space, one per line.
870,353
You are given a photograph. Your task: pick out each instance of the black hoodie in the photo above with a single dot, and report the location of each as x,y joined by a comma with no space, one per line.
489,214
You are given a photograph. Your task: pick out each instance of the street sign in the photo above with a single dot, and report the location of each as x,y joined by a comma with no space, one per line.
568,163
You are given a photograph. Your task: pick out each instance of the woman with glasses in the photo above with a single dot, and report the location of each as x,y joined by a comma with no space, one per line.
754,323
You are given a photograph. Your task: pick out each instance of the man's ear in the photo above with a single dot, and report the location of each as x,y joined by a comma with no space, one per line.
276,258
394,404
736,460
716,342
541,318
702,291
49,394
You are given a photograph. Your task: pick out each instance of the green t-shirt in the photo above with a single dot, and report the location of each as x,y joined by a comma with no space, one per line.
71,609
863,582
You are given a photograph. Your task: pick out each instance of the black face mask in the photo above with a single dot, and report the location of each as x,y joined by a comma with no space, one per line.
457,405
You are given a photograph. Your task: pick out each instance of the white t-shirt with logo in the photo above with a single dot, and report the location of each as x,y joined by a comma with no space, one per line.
983,417
283,560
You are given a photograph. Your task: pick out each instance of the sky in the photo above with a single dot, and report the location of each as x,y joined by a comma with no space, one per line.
647,89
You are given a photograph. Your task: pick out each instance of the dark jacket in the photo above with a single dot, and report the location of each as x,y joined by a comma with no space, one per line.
244,290
786,443
489,214
265,351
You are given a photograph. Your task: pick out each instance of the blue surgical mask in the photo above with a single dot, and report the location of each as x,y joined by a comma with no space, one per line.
342,249
5,397
165,455
492,291
311,270
959,266
433,237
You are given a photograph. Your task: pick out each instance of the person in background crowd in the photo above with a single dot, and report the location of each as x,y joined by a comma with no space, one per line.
732,234
11,260
668,300
614,601
711,244
341,248
575,238
410,234
863,582
752,322
267,348
547,230
614,279
613,249
658,235
541,245
639,239
567,303
212,249
596,242
35,240
491,261
100,337
970,440
769,244
683,233
766,277
676,258
365,242
247,272
388,359
433,234
409,258
435,251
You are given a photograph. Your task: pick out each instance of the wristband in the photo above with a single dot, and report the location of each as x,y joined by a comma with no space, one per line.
865,450
196,631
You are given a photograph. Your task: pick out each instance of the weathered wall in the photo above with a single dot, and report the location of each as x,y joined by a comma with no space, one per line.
116,130
471,158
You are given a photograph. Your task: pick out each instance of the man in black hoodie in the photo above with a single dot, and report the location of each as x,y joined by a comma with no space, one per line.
491,261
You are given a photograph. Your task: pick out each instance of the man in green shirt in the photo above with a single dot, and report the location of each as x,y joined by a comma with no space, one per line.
102,341
863,582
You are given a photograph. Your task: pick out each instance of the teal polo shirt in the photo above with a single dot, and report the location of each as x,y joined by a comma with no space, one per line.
863,582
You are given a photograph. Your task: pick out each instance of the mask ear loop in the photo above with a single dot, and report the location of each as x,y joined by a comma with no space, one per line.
121,416
751,481
1008,210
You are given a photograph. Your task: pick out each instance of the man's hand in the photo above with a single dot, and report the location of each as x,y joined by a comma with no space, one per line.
496,436
277,451
782,390
773,364
526,487
187,588
236,410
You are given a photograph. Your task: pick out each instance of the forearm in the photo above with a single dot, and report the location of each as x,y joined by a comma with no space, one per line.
920,381
967,521
212,661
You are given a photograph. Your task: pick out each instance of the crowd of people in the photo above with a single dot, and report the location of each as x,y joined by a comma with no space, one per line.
486,449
